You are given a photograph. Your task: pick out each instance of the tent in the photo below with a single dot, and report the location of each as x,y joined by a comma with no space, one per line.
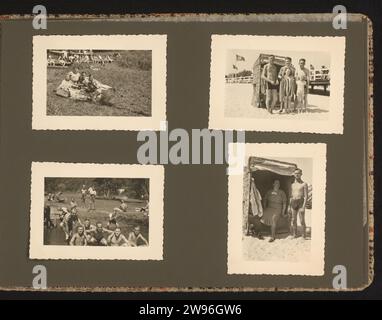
264,172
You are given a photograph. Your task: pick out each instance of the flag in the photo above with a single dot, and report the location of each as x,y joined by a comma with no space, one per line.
239,58
233,66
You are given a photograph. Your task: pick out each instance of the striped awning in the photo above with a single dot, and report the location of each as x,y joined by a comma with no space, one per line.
279,167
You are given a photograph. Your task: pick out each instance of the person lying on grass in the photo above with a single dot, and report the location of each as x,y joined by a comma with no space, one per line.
84,89
95,89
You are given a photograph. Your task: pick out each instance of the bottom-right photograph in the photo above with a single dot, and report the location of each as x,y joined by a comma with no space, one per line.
277,210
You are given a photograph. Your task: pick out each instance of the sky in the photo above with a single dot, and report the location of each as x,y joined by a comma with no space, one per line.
316,58
305,164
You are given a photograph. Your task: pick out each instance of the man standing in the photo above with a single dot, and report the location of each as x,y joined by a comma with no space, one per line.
83,195
302,81
297,203
92,194
269,74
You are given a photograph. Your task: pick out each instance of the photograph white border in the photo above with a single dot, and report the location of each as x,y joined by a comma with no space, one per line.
40,170
220,44
156,43
236,263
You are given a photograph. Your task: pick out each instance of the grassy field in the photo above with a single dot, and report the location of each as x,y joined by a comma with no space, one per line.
126,220
129,75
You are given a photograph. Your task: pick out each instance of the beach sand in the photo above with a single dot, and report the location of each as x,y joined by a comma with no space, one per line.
238,97
282,249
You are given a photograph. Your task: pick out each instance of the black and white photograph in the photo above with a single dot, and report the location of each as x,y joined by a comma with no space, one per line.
282,215
277,83
99,82
102,82
96,212
111,209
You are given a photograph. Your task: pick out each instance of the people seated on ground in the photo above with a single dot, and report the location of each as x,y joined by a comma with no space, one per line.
117,239
88,229
113,219
74,75
63,89
79,238
135,236
82,80
145,209
98,237
122,207
78,86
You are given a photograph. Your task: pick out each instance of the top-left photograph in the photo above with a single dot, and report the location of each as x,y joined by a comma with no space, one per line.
97,82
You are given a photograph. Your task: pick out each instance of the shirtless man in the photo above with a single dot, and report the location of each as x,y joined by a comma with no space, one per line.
302,85
98,235
117,239
88,229
79,238
269,74
297,203
134,236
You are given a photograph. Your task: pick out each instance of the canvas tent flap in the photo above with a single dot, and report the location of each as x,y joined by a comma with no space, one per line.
279,167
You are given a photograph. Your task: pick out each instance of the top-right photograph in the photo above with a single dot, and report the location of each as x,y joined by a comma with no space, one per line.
277,83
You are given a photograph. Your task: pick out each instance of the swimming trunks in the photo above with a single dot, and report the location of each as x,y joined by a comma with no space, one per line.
296,203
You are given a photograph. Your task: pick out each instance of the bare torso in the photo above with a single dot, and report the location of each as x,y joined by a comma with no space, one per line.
298,189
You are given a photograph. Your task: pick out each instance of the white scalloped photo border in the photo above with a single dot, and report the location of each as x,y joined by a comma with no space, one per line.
156,43
40,170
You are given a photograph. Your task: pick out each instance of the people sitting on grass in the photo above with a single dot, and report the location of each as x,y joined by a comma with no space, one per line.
117,239
136,235
74,75
79,238
97,236
79,86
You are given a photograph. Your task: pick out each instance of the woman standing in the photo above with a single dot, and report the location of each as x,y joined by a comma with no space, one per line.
275,203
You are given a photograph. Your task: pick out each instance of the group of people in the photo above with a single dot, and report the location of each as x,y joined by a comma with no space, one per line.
289,86
67,59
96,235
267,211
81,86
89,193
84,233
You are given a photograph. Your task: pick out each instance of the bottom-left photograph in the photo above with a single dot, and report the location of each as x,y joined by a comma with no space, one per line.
96,211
